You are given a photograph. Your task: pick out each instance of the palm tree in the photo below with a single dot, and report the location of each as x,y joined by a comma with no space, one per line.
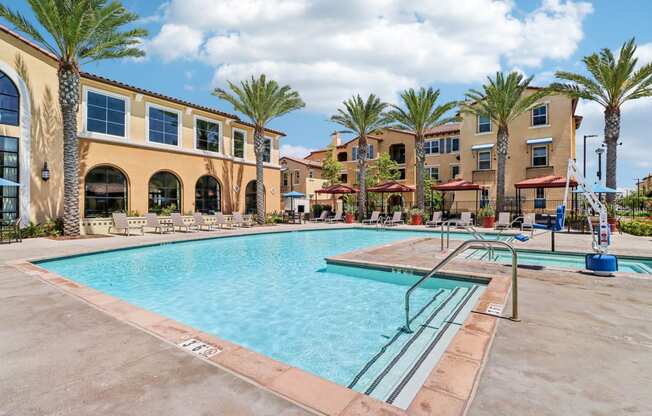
612,83
420,115
362,118
502,99
77,32
261,100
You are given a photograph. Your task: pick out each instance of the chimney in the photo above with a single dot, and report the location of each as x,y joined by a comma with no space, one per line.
335,139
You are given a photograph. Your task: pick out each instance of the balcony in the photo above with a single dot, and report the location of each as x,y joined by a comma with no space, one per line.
537,171
482,177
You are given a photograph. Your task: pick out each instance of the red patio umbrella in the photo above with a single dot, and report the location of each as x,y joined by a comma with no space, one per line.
389,187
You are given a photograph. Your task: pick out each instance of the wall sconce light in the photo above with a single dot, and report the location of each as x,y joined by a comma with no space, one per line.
45,172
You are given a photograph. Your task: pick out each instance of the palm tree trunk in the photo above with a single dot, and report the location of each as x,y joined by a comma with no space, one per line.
259,149
421,161
69,101
501,153
362,178
611,136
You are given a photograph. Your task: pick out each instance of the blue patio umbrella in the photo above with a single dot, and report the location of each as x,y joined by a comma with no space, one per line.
598,188
5,182
292,195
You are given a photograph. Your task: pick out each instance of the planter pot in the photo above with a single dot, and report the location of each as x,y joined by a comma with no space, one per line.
417,219
488,222
348,218
613,224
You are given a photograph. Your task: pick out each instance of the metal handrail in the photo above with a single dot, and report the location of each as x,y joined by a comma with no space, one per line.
468,228
450,257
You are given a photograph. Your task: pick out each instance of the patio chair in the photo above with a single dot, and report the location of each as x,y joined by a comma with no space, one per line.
177,222
121,222
152,221
200,222
503,220
336,218
13,229
436,219
322,217
221,222
528,222
239,221
374,219
465,220
397,218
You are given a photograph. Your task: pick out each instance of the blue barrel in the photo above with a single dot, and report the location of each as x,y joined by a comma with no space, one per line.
602,264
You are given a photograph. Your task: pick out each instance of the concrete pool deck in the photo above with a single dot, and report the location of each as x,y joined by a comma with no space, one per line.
43,316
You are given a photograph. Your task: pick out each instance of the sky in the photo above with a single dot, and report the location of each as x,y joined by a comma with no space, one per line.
329,50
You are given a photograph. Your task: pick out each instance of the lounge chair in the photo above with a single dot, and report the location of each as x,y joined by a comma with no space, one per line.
528,222
121,222
152,221
396,219
436,219
322,217
200,222
177,222
239,221
374,219
465,220
503,220
221,222
336,218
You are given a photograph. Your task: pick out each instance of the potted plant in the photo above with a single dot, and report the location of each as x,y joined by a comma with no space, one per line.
487,216
612,217
416,216
349,209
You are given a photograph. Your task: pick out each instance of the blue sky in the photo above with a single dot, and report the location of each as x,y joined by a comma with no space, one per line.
330,50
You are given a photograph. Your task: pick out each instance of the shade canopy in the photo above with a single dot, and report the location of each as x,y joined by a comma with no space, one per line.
598,189
391,186
550,181
337,189
456,185
5,182
293,194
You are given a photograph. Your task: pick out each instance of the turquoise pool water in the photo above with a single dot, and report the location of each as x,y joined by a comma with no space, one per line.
271,293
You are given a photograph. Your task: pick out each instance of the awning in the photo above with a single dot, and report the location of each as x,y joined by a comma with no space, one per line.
337,189
549,181
293,194
482,146
456,185
540,141
391,186
5,182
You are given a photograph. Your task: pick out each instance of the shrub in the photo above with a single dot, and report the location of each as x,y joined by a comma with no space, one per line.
641,228
50,228
486,212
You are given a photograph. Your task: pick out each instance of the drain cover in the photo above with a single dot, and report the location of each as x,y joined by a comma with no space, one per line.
200,348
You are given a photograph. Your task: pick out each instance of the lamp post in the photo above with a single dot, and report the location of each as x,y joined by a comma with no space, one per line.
599,151
638,194
586,136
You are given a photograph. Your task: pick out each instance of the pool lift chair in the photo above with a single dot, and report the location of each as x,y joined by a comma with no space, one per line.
599,263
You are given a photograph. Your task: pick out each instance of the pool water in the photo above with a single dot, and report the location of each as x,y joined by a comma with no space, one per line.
271,293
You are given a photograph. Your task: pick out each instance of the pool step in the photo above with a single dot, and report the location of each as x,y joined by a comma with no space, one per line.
398,370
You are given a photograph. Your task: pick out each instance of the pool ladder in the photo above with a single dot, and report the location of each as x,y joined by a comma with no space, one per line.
470,229
460,249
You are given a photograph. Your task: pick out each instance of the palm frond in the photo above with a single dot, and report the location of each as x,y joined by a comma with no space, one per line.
362,117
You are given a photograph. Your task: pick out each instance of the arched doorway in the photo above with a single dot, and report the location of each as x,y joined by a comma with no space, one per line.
250,198
105,192
395,203
164,192
208,195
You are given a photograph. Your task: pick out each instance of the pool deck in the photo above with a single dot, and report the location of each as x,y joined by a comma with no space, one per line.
565,357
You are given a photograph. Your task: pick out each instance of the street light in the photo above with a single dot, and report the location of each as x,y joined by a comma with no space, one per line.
586,136
599,151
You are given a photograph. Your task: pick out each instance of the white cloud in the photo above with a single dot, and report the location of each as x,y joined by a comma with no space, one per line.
644,54
330,50
295,151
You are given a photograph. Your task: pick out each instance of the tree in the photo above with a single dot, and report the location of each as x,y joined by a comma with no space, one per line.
331,168
611,83
77,32
502,99
421,114
362,118
261,100
385,169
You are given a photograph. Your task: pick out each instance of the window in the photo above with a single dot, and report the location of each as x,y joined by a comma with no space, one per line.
251,198
354,153
397,153
311,174
540,115
341,157
207,135
105,192
238,143
267,150
484,197
163,126
540,156
432,147
285,180
455,171
484,124
164,192
540,200
370,152
344,178
455,144
433,172
9,171
207,195
297,177
9,101
484,160
447,145
105,114
401,174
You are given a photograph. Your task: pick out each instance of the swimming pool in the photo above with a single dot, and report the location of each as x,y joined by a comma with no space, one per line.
273,293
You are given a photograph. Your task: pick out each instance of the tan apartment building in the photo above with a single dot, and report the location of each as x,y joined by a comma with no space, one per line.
140,151
303,176
541,143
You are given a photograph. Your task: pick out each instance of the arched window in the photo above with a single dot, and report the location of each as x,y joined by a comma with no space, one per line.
105,192
207,195
164,192
250,198
9,101
341,156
